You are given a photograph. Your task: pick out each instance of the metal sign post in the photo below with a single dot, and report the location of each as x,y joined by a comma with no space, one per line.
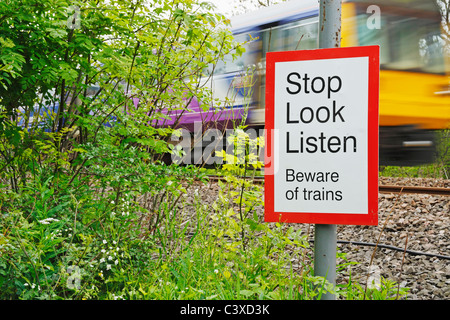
325,237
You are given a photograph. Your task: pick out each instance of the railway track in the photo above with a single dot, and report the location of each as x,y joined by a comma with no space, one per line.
409,245
381,188
414,190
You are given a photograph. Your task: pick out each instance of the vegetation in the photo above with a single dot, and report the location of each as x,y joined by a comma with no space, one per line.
87,210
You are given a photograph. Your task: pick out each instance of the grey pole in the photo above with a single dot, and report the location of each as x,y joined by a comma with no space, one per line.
325,238
325,255
330,23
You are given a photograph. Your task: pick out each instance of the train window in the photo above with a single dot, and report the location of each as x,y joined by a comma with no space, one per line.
240,63
301,35
374,36
431,52
297,35
406,43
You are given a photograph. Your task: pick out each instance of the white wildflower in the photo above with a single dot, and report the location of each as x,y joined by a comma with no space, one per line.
48,221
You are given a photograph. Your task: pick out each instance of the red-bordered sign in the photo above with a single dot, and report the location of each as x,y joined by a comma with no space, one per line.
321,161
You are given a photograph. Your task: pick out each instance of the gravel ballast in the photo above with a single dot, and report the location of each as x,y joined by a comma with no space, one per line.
416,222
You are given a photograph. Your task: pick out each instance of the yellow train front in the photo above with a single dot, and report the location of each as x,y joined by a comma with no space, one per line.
414,84
414,81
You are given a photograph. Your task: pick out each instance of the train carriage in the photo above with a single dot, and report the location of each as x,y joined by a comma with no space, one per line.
414,77
414,82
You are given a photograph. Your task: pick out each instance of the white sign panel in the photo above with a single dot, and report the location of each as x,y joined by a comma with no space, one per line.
320,110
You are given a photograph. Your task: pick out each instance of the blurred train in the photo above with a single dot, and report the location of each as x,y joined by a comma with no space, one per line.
414,77
414,82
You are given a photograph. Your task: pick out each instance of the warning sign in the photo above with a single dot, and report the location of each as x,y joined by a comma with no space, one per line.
322,136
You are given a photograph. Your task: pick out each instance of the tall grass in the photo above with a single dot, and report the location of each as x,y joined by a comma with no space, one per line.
157,237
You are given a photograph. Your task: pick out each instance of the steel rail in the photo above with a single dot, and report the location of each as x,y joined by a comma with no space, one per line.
414,190
439,191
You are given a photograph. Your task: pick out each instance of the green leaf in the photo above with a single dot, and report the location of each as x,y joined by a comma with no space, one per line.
247,293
